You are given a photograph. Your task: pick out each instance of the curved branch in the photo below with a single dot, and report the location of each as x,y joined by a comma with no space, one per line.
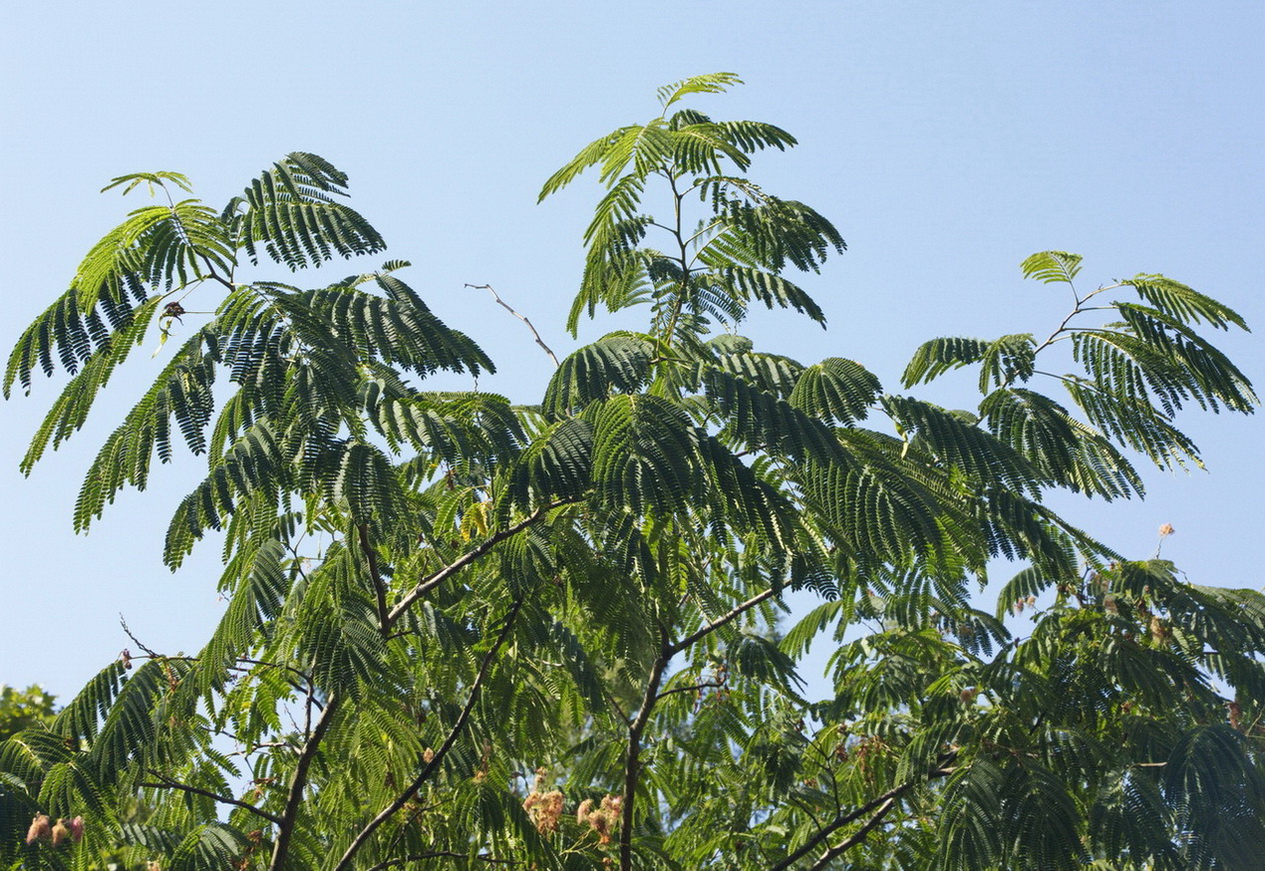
503,304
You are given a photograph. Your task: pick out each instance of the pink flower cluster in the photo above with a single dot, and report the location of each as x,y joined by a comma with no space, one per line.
604,819
544,809
43,828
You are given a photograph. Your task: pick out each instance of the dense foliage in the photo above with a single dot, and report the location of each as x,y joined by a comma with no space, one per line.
467,633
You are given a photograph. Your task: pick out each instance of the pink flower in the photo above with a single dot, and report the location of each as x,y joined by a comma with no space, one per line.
76,829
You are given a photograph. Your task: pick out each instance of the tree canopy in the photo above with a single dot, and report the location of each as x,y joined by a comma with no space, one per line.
464,631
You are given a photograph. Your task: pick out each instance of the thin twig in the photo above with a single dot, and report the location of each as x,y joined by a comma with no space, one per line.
1080,307
128,632
691,688
503,304
165,783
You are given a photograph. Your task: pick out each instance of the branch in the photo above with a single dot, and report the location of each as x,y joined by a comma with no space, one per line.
405,797
691,688
379,588
738,611
523,318
1080,307
306,678
839,822
440,854
429,583
165,783
632,766
285,827
856,837
879,805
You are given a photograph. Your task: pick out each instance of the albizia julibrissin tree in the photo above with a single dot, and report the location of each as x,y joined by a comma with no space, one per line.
466,633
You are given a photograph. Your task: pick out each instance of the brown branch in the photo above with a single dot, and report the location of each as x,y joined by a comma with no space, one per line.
840,821
285,827
379,588
431,581
440,854
722,620
874,805
166,783
406,796
632,765
856,837
301,687
523,318
691,688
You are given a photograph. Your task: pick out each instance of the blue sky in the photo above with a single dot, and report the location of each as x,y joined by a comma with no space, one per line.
946,141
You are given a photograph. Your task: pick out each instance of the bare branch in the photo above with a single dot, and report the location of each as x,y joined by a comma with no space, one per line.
523,318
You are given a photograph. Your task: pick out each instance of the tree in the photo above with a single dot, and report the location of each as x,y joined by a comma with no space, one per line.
467,633
24,709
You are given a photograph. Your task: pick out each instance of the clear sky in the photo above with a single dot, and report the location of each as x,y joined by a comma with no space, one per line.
947,141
